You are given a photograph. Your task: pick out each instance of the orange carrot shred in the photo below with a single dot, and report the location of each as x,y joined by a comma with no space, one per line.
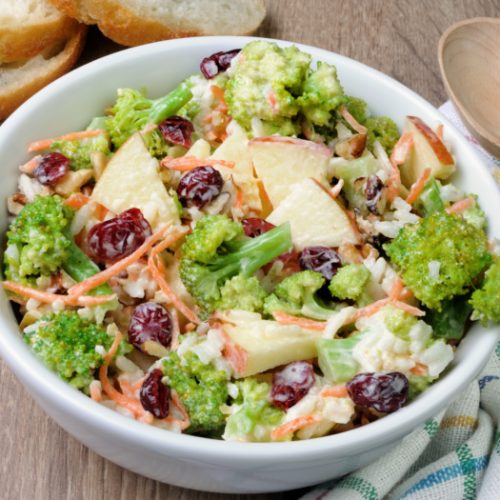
30,166
50,298
419,369
292,426
439,131
398,156
371,309
116,268
72,136
337,391
418,186
396,290
461,206
288,319
76,201
414,311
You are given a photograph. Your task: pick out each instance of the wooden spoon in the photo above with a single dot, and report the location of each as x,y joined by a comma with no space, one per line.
469,59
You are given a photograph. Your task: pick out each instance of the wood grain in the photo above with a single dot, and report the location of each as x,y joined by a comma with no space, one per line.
399,37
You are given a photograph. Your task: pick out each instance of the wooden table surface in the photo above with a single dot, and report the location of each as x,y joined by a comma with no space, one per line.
38,459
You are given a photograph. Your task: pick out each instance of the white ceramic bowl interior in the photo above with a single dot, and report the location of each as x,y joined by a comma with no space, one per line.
68,104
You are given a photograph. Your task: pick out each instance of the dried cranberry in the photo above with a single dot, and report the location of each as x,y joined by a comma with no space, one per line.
116,238
200,186
373,194
150,321
323,260
51,169
177,130
253,226
212,65
291,384
155,395
384,392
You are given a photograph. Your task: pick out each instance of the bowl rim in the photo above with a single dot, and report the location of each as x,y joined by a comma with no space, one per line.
23,362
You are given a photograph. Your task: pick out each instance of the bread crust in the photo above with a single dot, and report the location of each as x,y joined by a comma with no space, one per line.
10,99
19,43
123,25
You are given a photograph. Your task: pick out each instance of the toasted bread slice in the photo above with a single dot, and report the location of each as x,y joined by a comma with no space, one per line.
134,22
18,81
27,27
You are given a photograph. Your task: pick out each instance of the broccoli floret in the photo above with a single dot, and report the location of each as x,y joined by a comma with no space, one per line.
322,93
254,417
460,249
349,282
297,295
156,143
132,111
357,108
37,244
244,293
201,388
486,300
383,130
78,151
474,215
399,322
66,343
217,250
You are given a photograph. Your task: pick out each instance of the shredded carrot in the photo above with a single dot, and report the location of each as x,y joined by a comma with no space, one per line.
418,186
414,311
169,240
117,268
30,166
371,309
186,163
238,203
419,369
50,298
184,423
352,121
460,206
398,156
292,426
157,270
72,136
288,319
439,131
95,391
219,95
76,201
190,327
396,290
338,391
235,354
120,399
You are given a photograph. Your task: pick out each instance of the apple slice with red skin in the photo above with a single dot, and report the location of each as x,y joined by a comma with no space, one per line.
428,151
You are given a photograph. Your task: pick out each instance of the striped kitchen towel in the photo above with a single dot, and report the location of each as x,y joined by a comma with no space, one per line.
455,455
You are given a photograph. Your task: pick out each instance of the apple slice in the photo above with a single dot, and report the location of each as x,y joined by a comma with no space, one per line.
200,149
428,152
281,162
131,180
235,149
268,344
315,217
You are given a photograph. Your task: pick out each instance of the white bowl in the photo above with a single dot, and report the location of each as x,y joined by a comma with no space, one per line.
193,462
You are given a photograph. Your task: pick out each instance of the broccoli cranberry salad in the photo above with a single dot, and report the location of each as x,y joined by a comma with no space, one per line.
252,257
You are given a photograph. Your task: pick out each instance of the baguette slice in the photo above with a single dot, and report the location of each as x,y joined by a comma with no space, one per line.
134,22
27,27
18,81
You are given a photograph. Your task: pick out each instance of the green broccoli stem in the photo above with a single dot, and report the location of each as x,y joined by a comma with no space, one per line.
171,103
249,256
80,267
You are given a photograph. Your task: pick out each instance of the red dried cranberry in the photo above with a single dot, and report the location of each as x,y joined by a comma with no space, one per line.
155,395
200,186
291,384
51,169
177,130
323,260
384,392
116,238
373,193
212,65
253,226
150,321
